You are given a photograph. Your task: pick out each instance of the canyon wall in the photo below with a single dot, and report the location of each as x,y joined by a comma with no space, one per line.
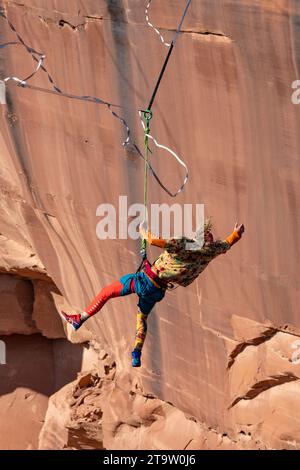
218,357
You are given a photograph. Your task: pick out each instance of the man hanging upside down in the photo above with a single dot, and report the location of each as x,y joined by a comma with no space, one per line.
180,263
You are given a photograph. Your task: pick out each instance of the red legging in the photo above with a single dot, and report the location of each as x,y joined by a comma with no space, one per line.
108,292
115,290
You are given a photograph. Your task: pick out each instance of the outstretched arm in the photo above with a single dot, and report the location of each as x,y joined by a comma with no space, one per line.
233,238
218,247
236,235
150,238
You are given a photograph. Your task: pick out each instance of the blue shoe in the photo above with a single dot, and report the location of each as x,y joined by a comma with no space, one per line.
136,358
73,320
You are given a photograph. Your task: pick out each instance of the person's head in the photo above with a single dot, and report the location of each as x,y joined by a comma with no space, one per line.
208,237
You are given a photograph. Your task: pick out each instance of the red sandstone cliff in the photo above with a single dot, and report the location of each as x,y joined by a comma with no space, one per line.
217,362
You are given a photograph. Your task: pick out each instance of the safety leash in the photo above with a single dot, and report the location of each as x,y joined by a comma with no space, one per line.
146,123
169,55
147,118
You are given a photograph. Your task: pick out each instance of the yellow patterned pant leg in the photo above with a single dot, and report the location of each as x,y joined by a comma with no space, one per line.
141,330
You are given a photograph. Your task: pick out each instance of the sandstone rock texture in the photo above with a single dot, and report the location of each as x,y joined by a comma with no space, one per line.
220,362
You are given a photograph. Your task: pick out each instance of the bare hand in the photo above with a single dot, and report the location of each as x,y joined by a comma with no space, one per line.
239,228
143,227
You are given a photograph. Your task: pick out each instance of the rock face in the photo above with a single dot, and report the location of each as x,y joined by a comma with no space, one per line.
221,356
97,412
16,306
35,368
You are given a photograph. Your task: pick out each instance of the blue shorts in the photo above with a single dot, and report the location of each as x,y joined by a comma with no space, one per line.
148,293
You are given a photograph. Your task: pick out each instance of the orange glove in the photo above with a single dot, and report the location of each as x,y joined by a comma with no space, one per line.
236,234
233,238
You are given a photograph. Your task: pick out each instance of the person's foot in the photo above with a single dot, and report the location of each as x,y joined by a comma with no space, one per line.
74,320
136,358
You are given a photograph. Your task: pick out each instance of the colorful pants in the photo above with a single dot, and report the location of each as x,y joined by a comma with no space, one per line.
148,295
